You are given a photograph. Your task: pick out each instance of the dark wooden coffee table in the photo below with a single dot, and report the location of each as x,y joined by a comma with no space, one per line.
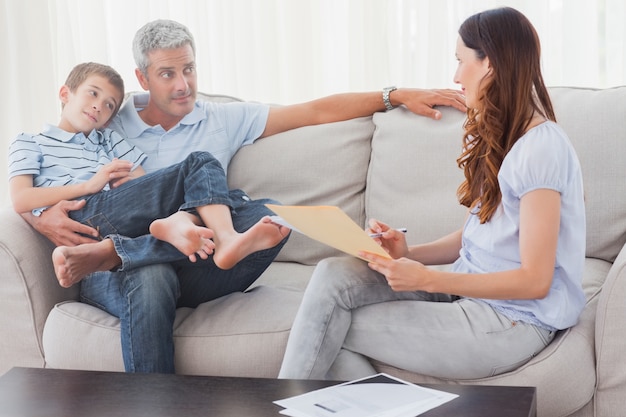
26,392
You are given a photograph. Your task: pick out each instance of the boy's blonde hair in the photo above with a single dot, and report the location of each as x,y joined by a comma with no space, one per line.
81,72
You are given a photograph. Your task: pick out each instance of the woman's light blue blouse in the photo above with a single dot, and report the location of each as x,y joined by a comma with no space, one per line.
543,158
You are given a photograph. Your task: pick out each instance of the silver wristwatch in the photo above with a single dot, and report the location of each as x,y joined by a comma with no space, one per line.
386,92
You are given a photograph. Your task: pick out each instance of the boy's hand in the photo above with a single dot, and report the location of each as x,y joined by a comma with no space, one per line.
55,224
113,172
119,178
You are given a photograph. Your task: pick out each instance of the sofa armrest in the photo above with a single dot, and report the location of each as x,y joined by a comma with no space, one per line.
28,291
611,340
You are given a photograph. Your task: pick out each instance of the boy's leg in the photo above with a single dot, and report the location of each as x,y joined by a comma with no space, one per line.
232,246
131,253
186,232
204,281
130,209
71,264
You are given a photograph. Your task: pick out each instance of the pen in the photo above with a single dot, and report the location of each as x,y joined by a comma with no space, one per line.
402,229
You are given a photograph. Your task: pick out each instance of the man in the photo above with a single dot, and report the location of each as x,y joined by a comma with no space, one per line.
167,124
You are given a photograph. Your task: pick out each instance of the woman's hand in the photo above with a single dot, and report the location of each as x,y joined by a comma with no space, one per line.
402,274
391,240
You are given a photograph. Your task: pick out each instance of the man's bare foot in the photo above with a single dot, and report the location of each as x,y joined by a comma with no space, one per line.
181,231
232,248
73,263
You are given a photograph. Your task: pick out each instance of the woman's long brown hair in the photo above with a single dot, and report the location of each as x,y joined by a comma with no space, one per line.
508,98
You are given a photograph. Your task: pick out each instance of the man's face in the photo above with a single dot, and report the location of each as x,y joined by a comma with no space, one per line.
172,82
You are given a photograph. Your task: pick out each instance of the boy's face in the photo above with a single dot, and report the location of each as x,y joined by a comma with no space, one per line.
90,107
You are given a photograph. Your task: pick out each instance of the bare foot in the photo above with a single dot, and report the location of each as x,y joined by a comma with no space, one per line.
181,231
233,248
73,263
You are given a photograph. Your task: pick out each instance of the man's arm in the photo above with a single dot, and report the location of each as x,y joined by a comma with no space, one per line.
55,224
351,105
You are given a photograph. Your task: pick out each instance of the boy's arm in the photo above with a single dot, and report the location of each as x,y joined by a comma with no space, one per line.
26,197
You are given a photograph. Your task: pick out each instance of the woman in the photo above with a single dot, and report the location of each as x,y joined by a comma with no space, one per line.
517,262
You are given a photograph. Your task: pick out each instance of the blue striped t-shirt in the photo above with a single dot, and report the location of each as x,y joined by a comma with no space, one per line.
55,157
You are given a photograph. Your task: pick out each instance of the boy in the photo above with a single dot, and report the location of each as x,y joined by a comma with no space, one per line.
80,158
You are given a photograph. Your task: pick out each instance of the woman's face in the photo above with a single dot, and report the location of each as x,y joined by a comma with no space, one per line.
470,72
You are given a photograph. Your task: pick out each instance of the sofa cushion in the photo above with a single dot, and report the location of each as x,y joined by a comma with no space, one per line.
595,121
80,336
313,165
252,327
413,175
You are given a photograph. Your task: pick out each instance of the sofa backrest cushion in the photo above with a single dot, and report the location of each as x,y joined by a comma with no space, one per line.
595,121
413,175
314,165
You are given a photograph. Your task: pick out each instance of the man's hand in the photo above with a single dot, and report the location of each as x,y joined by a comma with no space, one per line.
422,102
55,224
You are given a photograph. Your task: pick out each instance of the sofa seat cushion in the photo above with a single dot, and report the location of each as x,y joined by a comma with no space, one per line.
241,334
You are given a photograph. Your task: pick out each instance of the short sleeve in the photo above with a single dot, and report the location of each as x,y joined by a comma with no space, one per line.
245,121
542,159
24,156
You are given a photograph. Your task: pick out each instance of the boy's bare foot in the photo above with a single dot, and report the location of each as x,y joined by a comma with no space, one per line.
233,248
73,263
181,231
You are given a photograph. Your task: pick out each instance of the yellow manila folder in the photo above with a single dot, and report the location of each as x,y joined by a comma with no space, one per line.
331,226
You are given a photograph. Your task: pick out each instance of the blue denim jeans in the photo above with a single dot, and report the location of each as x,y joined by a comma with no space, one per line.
128,210
349,315
155,278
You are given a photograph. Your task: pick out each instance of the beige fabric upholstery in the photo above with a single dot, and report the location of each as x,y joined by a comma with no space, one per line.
315,165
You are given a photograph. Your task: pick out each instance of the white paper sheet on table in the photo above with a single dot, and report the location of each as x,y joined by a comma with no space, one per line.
379,395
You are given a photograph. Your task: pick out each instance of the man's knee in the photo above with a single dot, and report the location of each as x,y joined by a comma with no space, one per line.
153,284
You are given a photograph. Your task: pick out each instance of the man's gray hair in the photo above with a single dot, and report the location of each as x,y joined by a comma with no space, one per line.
159,34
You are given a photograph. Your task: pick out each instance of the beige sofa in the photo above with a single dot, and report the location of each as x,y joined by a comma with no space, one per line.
395,166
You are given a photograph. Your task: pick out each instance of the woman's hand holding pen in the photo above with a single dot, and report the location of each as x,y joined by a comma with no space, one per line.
393,241
402,274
